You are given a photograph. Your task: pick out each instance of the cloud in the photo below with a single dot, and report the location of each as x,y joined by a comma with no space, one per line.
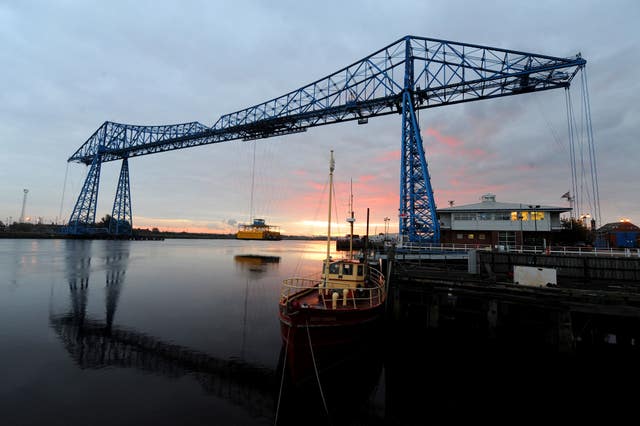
515,146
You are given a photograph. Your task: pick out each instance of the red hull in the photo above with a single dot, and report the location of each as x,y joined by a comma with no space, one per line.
315,339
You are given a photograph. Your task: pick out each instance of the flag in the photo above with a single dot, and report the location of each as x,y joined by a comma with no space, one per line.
566,195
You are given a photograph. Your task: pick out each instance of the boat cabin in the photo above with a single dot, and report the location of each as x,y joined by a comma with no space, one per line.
344,273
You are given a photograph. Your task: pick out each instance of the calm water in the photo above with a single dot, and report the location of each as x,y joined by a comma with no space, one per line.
186,332
120,332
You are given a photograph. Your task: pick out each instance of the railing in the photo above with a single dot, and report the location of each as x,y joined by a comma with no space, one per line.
361,297
416,248
440,248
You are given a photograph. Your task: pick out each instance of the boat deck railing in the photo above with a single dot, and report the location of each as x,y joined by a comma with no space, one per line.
318,293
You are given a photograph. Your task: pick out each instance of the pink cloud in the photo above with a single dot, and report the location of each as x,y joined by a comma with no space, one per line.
439,137
452,146
388,156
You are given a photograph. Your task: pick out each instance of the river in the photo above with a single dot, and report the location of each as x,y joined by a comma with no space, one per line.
186,332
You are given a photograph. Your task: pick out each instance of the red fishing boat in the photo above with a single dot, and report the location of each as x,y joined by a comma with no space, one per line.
320,316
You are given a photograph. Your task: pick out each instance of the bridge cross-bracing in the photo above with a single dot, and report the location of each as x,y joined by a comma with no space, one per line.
410,74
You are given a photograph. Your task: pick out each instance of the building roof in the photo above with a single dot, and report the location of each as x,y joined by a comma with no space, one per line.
619,227
489,203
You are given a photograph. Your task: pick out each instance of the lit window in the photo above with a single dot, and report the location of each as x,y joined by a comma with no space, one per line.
523,216
537,215
471,236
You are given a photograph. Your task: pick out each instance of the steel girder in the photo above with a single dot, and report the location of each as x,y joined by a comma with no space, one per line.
445,72
83,216
121,218
410,74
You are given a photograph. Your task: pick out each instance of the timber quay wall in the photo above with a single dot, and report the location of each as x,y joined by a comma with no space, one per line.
569,268
571,350
596,302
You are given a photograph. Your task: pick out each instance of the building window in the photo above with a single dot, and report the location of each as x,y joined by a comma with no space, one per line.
523,216
485,216
503,216
459,236
537,215
481,236
464,216
470,236
507,238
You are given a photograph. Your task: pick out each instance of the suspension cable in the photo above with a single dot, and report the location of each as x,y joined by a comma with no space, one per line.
572,153
64,188
591,146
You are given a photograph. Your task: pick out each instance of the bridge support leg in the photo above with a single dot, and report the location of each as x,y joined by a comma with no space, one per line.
121,219
83,218
418,220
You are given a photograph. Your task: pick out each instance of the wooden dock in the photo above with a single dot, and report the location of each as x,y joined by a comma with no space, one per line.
596,300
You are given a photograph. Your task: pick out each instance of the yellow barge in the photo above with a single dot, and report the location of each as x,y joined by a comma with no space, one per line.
258,230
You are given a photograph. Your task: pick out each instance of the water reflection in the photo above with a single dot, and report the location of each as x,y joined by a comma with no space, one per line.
255,262
95,343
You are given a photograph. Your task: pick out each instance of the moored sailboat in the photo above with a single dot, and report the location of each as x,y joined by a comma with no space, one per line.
335,308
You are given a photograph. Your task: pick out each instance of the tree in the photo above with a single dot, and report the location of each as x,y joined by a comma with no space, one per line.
104,222
574,232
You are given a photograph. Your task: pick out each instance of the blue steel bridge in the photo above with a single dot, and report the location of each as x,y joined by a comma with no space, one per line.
409,74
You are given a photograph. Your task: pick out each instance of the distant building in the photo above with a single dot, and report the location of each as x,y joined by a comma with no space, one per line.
496,223
623,234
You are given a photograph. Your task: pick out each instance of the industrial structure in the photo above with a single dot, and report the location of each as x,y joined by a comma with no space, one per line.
410,74
24,205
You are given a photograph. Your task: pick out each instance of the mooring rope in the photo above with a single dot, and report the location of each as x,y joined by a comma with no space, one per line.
284,366
315,367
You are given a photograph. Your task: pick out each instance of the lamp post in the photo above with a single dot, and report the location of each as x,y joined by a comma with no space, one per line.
535,218
386,227
521,233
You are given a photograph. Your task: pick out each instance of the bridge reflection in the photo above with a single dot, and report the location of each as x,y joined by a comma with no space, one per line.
95,343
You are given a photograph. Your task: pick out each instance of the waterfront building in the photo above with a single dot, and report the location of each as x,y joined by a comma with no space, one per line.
623,234
490,222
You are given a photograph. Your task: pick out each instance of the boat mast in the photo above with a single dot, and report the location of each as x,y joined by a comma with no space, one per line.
332,166
351,219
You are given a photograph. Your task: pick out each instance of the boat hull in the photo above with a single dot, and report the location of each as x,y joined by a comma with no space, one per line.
315,340
258,235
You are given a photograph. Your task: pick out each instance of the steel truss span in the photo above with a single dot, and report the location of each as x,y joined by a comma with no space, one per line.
410,74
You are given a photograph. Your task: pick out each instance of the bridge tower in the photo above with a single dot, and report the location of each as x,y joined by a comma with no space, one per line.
83,217
121,218
417,218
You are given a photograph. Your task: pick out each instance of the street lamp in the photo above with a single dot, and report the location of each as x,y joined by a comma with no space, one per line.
535,218
386,227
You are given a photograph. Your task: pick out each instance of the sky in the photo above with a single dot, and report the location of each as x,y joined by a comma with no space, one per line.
69,66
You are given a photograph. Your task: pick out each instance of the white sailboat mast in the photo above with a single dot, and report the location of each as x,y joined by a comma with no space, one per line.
332,166
351,219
